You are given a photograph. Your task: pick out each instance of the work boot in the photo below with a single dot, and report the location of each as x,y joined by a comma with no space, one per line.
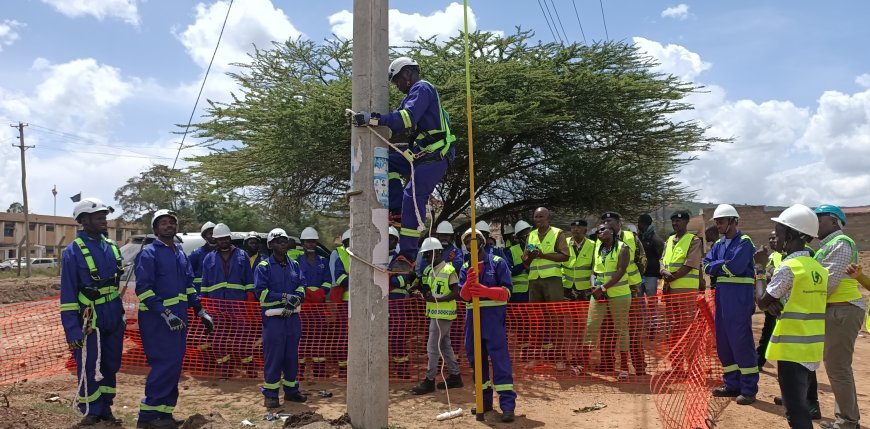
295,397
745,399
454,381
723,392
111,420
507,416
425,386
271,402
89,420
815,411
158,424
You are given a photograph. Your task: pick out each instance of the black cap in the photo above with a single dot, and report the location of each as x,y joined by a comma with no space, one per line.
645,219
614,215
682,214
580,222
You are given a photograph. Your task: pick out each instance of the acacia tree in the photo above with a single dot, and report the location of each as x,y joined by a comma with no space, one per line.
575,128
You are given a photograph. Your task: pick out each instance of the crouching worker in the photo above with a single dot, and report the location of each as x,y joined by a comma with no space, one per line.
440,290
490,281
280,286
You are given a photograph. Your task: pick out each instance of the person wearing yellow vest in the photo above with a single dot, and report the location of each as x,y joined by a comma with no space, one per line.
90,308
798,339
339,295
681,260
514,257
440,290
774,258
844,315
854,271
577,270
731,262
610,296
545,252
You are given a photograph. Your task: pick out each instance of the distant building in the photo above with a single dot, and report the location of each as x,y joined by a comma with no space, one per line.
50,234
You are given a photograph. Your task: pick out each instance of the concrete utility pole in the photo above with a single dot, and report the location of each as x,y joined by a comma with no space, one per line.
368,362
23,148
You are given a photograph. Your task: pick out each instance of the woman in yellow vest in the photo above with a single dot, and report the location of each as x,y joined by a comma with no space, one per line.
799,336
611,295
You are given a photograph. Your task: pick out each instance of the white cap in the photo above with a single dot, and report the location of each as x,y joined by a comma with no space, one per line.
430,244
309,233
160,213
521,226
220,231
346,235
252,234
90,205
725,210
482,226
444,228
799,218
397,65
394,232
206,226
276,233
508,229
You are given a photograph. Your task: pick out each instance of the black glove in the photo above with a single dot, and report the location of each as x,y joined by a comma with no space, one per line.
293,301
206,321
76,345
90,293
175,323
362,119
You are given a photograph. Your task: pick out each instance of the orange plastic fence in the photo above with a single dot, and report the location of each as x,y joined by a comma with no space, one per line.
665,342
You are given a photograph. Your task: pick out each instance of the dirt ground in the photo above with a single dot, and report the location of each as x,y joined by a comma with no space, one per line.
20,289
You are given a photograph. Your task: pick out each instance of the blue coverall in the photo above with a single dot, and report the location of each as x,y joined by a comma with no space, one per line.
280,334
495,272
733,268
164,280
229,280
423,113
398,319
318,281
196,257
107,310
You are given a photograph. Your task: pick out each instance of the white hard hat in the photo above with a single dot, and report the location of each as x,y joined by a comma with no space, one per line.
206,226
309,233
397,65
482,226
725,210
252,234
508,229
468,232
345,236
521,226
444,228
393,231
90,205
221,230
632,227
160,213
276,233
430,244
799,218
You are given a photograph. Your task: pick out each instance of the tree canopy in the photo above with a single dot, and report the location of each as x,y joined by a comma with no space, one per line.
576,128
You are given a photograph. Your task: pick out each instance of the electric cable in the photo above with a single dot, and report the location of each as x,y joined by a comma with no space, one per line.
577,14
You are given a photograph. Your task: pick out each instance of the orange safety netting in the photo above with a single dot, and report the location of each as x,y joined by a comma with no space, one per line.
665,342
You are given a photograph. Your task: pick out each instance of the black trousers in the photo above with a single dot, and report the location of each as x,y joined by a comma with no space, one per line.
794,384
764,339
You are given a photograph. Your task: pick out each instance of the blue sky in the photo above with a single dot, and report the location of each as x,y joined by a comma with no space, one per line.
103,85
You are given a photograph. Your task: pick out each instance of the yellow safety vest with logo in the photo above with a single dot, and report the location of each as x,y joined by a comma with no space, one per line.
799,335
439,284
847,290
520,281
675,257
540,267
345,262
605,267
577,271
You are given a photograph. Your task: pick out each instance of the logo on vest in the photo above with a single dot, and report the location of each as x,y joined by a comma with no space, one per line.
817,278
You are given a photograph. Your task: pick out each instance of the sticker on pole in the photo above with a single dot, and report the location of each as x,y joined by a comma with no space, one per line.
381,162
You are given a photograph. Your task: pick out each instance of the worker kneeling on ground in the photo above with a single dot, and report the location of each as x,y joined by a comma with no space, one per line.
90,309
490,281
440,290
280,286
798,340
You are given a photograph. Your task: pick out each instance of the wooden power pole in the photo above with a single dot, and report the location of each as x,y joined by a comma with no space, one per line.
368,361
23,148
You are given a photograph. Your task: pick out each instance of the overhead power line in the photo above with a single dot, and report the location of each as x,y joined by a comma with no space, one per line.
577,14
546,6
555,39
604,20
559,18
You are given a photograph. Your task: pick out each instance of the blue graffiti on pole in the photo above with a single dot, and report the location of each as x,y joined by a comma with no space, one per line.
381,180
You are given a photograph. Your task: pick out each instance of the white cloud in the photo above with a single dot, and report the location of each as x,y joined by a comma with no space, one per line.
8,35
126,10
678,12
863,80
782,153
405,27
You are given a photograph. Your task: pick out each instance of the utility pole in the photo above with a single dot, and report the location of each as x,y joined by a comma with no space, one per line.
23,148
368,362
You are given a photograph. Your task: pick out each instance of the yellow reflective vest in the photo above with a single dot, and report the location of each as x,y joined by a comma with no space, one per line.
675,257
439,285
605,267
540,267
577,271
799,335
